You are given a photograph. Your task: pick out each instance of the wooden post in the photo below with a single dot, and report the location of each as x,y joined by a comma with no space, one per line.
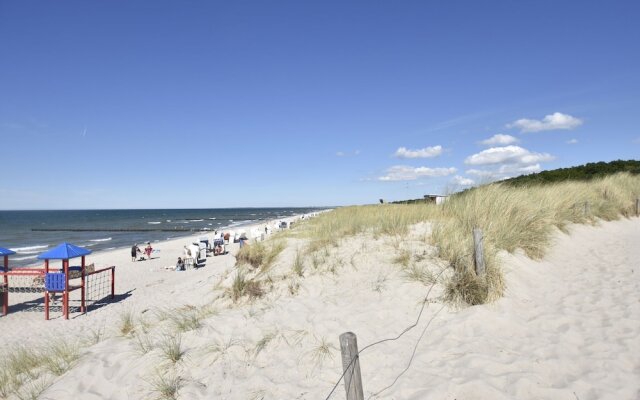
478,251
65,297
638,207
351,366
46,293
82,266
46,304
113,283
5,294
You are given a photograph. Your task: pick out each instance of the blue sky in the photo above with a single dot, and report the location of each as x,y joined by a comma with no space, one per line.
167,104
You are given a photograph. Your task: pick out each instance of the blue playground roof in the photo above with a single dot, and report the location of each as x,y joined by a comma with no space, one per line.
6,252
64,251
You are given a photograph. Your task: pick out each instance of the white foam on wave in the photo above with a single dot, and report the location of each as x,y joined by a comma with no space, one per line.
30,249
154,222
212,218
23,258
196,220
100,240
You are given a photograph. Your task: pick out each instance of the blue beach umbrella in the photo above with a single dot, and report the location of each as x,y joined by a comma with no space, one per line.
6,252
64,251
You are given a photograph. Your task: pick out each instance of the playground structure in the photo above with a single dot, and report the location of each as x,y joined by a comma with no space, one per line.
34,287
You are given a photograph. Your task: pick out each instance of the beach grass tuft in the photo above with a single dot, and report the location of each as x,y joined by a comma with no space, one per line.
260,254
322,351
127,324
186,319
298,264
61,357
166,384
25,372
171,348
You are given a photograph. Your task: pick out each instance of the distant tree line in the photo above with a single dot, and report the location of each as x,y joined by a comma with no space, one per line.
580,173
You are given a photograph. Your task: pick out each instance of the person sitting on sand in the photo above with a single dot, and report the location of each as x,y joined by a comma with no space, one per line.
134,252
180,265
219,250
243,240
148,250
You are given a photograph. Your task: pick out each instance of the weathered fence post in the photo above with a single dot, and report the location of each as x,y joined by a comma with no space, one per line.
587,209
638,207
478,251
351,366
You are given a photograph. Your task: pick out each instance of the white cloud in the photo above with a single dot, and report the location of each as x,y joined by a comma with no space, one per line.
427,152
340,154
572,141
499,139
480,173
462,181
550,122
407,173
507,155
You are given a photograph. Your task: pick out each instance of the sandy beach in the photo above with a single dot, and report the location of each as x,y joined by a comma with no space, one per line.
568,327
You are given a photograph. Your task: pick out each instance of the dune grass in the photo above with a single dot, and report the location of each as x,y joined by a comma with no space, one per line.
25,372
166,385
171,348
387,219
260,254
127,324
510,218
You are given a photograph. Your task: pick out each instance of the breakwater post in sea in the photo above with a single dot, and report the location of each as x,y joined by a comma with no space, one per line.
478,251
113,230
351,366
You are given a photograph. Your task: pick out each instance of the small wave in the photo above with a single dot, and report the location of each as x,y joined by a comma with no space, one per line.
26,250
196,220
110,248
212,218
100,240
154,222
23,258
209,224
168,220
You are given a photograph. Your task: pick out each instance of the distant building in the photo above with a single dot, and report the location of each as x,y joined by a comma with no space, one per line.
435,198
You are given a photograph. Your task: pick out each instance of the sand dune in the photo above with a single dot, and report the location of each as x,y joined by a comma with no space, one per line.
568,327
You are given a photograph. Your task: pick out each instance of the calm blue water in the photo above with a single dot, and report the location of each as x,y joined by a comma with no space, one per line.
16,227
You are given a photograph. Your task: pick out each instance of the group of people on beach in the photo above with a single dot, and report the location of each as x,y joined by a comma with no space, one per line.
192,252
135,250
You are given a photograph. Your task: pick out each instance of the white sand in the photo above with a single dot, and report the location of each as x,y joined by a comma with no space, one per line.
568,327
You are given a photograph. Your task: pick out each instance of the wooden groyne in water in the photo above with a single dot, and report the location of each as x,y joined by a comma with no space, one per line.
114,230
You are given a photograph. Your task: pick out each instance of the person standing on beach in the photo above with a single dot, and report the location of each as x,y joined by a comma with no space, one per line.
148,250
134,252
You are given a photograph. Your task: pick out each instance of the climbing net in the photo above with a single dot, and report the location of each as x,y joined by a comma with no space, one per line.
24,288
99,287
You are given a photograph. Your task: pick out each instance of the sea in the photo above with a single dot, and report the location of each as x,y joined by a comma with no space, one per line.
30,233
